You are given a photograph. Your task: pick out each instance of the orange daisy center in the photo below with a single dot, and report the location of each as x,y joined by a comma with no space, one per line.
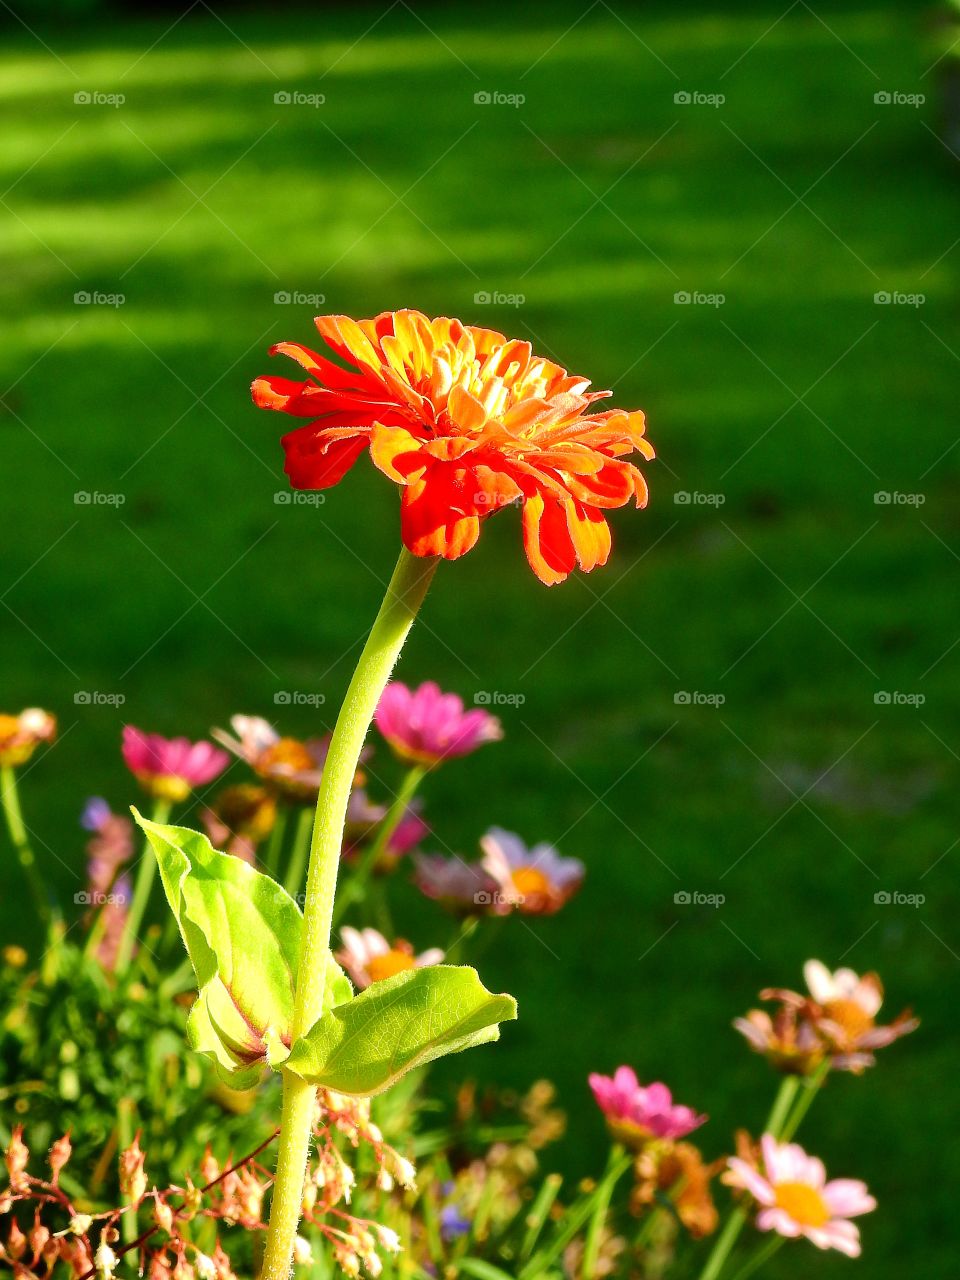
803,1203
288,753
849,1015
530,881
391,962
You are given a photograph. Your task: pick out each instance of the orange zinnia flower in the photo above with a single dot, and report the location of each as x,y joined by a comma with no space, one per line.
466,421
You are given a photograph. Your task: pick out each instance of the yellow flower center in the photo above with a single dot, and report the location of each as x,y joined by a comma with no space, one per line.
391,962
529,881
850,1016
288,753
165,786
803,1203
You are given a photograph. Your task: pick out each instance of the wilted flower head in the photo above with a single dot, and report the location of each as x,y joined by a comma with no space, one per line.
537,881
290,766
839,1012
463,888
170,768
240,819
21,735
790,1042
425,725
368,957
466,422
636,1113
795,1198
677,1170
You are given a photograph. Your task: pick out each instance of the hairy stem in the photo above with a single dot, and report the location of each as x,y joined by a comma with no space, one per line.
405,594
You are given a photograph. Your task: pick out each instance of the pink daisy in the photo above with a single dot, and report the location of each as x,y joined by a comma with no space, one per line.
170,768
796,1199
645,1111
425,726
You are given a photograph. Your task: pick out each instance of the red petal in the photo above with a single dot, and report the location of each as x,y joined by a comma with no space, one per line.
546,539
431,525
318,459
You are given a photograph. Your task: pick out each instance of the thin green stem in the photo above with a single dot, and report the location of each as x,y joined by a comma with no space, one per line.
739,1214
594,1238
573,1220
21,843
404,596
355,890
763,1254
146,873
811,1087
298,857
460,939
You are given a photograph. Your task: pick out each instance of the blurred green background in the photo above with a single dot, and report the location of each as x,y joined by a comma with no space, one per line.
781,586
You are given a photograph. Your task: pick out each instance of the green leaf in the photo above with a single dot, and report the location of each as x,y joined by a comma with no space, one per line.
242,932
362,1047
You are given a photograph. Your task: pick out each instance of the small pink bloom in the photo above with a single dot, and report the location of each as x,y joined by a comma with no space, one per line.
368,957
649,1112
425,726
796,1199
170,768
537,881
463,888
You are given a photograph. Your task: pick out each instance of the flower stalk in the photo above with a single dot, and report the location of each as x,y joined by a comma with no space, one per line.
356,890
21,843
404,596
146,874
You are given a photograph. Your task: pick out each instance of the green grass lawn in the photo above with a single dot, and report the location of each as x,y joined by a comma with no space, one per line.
797,600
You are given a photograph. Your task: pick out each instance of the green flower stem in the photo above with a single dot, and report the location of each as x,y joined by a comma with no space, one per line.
763,1254
356,889
146,874
727,1238
404,596
808,1092
271,862
575,1218
460,939
591,1248
18,835
298,857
